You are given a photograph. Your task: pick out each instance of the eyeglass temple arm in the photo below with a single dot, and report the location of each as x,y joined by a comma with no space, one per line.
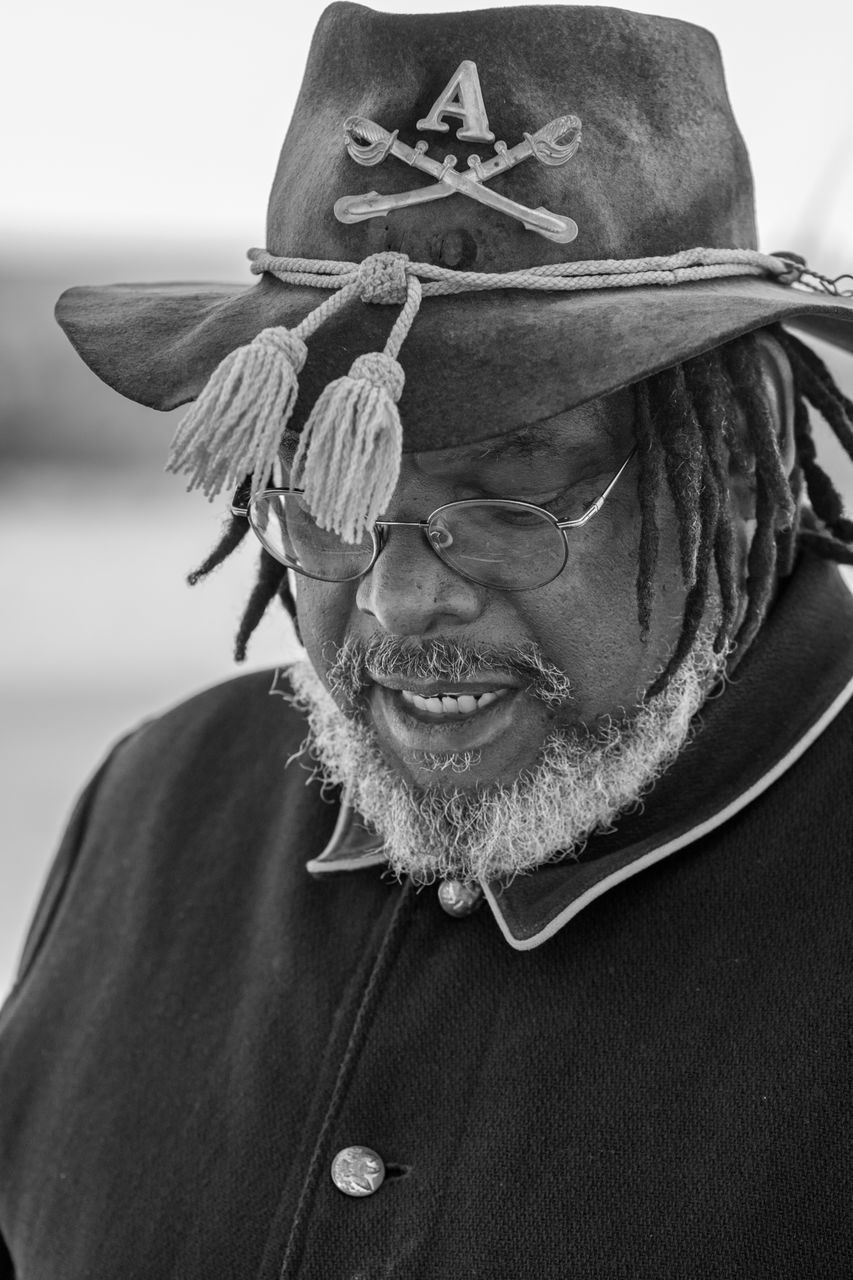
600,500
239,503
240,500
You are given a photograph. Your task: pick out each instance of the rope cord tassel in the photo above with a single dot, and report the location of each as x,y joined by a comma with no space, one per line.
349,454
235,426
234,429
348,459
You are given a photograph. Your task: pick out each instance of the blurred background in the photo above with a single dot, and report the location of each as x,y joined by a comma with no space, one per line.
139,144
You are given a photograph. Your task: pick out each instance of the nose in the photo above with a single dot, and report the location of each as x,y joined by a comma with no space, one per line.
410,592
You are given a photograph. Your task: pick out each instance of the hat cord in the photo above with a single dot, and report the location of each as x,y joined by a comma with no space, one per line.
601,273
349,453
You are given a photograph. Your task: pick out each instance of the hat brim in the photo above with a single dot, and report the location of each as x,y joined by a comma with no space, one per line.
476,365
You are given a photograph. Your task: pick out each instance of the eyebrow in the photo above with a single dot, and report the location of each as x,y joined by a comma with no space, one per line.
532,440
529,443
524,444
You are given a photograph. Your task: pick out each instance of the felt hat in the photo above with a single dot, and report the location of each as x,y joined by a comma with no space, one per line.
505,213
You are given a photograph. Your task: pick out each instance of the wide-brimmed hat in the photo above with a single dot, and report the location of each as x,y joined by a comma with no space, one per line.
578,213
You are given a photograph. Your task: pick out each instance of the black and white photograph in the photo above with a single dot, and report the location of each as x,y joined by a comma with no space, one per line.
426,541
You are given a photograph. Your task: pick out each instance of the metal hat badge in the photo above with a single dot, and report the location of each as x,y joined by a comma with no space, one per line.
369,143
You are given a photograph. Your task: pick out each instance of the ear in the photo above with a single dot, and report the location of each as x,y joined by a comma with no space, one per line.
778,381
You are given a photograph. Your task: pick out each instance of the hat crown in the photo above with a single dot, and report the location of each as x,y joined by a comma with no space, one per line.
661,165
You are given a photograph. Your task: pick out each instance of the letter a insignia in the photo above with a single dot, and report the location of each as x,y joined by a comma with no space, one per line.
463,97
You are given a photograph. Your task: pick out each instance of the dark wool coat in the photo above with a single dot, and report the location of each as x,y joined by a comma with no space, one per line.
658,1086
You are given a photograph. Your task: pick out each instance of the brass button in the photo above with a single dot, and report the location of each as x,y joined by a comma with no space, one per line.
459,899
358,1171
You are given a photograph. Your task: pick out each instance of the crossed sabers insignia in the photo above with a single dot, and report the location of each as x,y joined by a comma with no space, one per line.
368,143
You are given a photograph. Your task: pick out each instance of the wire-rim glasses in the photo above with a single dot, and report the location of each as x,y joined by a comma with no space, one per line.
496,542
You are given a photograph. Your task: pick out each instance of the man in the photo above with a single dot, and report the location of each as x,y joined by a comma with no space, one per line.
528,432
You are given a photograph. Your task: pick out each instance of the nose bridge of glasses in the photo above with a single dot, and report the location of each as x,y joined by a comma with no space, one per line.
436,537
401,524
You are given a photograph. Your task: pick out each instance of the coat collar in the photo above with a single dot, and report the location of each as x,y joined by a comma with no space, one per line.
792,683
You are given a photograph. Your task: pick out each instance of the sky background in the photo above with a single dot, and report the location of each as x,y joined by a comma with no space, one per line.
166,118
139,143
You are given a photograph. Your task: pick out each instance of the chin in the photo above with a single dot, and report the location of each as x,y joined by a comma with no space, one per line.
454,771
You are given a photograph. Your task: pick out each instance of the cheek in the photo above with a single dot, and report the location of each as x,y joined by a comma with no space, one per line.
587,621
324,611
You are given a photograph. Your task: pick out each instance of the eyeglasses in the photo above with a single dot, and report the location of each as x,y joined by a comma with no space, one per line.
496,542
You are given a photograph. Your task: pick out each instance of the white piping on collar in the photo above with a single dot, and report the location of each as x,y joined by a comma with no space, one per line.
319,866
657,855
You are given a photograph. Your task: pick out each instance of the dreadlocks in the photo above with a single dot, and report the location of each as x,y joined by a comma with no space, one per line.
689,435
689,430
271,581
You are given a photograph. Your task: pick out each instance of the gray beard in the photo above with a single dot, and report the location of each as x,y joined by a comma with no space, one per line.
581,783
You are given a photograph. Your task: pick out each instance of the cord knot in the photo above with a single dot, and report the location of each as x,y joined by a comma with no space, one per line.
381,370
283,342
383,277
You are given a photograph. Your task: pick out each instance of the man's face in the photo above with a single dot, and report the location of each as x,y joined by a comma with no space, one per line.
584,622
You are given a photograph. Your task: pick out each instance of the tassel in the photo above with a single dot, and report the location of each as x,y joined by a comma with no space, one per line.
234,429
348,459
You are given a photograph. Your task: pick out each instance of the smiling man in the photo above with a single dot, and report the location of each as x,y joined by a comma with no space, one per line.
507,934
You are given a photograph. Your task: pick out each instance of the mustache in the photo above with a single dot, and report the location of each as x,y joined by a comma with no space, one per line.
359,662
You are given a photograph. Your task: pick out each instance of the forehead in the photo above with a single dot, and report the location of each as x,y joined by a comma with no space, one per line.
593,433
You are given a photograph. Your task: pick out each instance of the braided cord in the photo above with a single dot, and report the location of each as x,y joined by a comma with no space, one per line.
604,273
406,318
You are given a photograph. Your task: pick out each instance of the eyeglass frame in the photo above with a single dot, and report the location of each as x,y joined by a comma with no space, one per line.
379,535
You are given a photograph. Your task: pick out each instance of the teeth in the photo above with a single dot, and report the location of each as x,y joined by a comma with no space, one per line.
444,704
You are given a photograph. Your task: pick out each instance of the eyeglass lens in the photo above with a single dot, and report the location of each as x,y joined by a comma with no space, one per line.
504,545
289,532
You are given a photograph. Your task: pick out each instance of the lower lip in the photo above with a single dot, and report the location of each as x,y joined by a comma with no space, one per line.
413,731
